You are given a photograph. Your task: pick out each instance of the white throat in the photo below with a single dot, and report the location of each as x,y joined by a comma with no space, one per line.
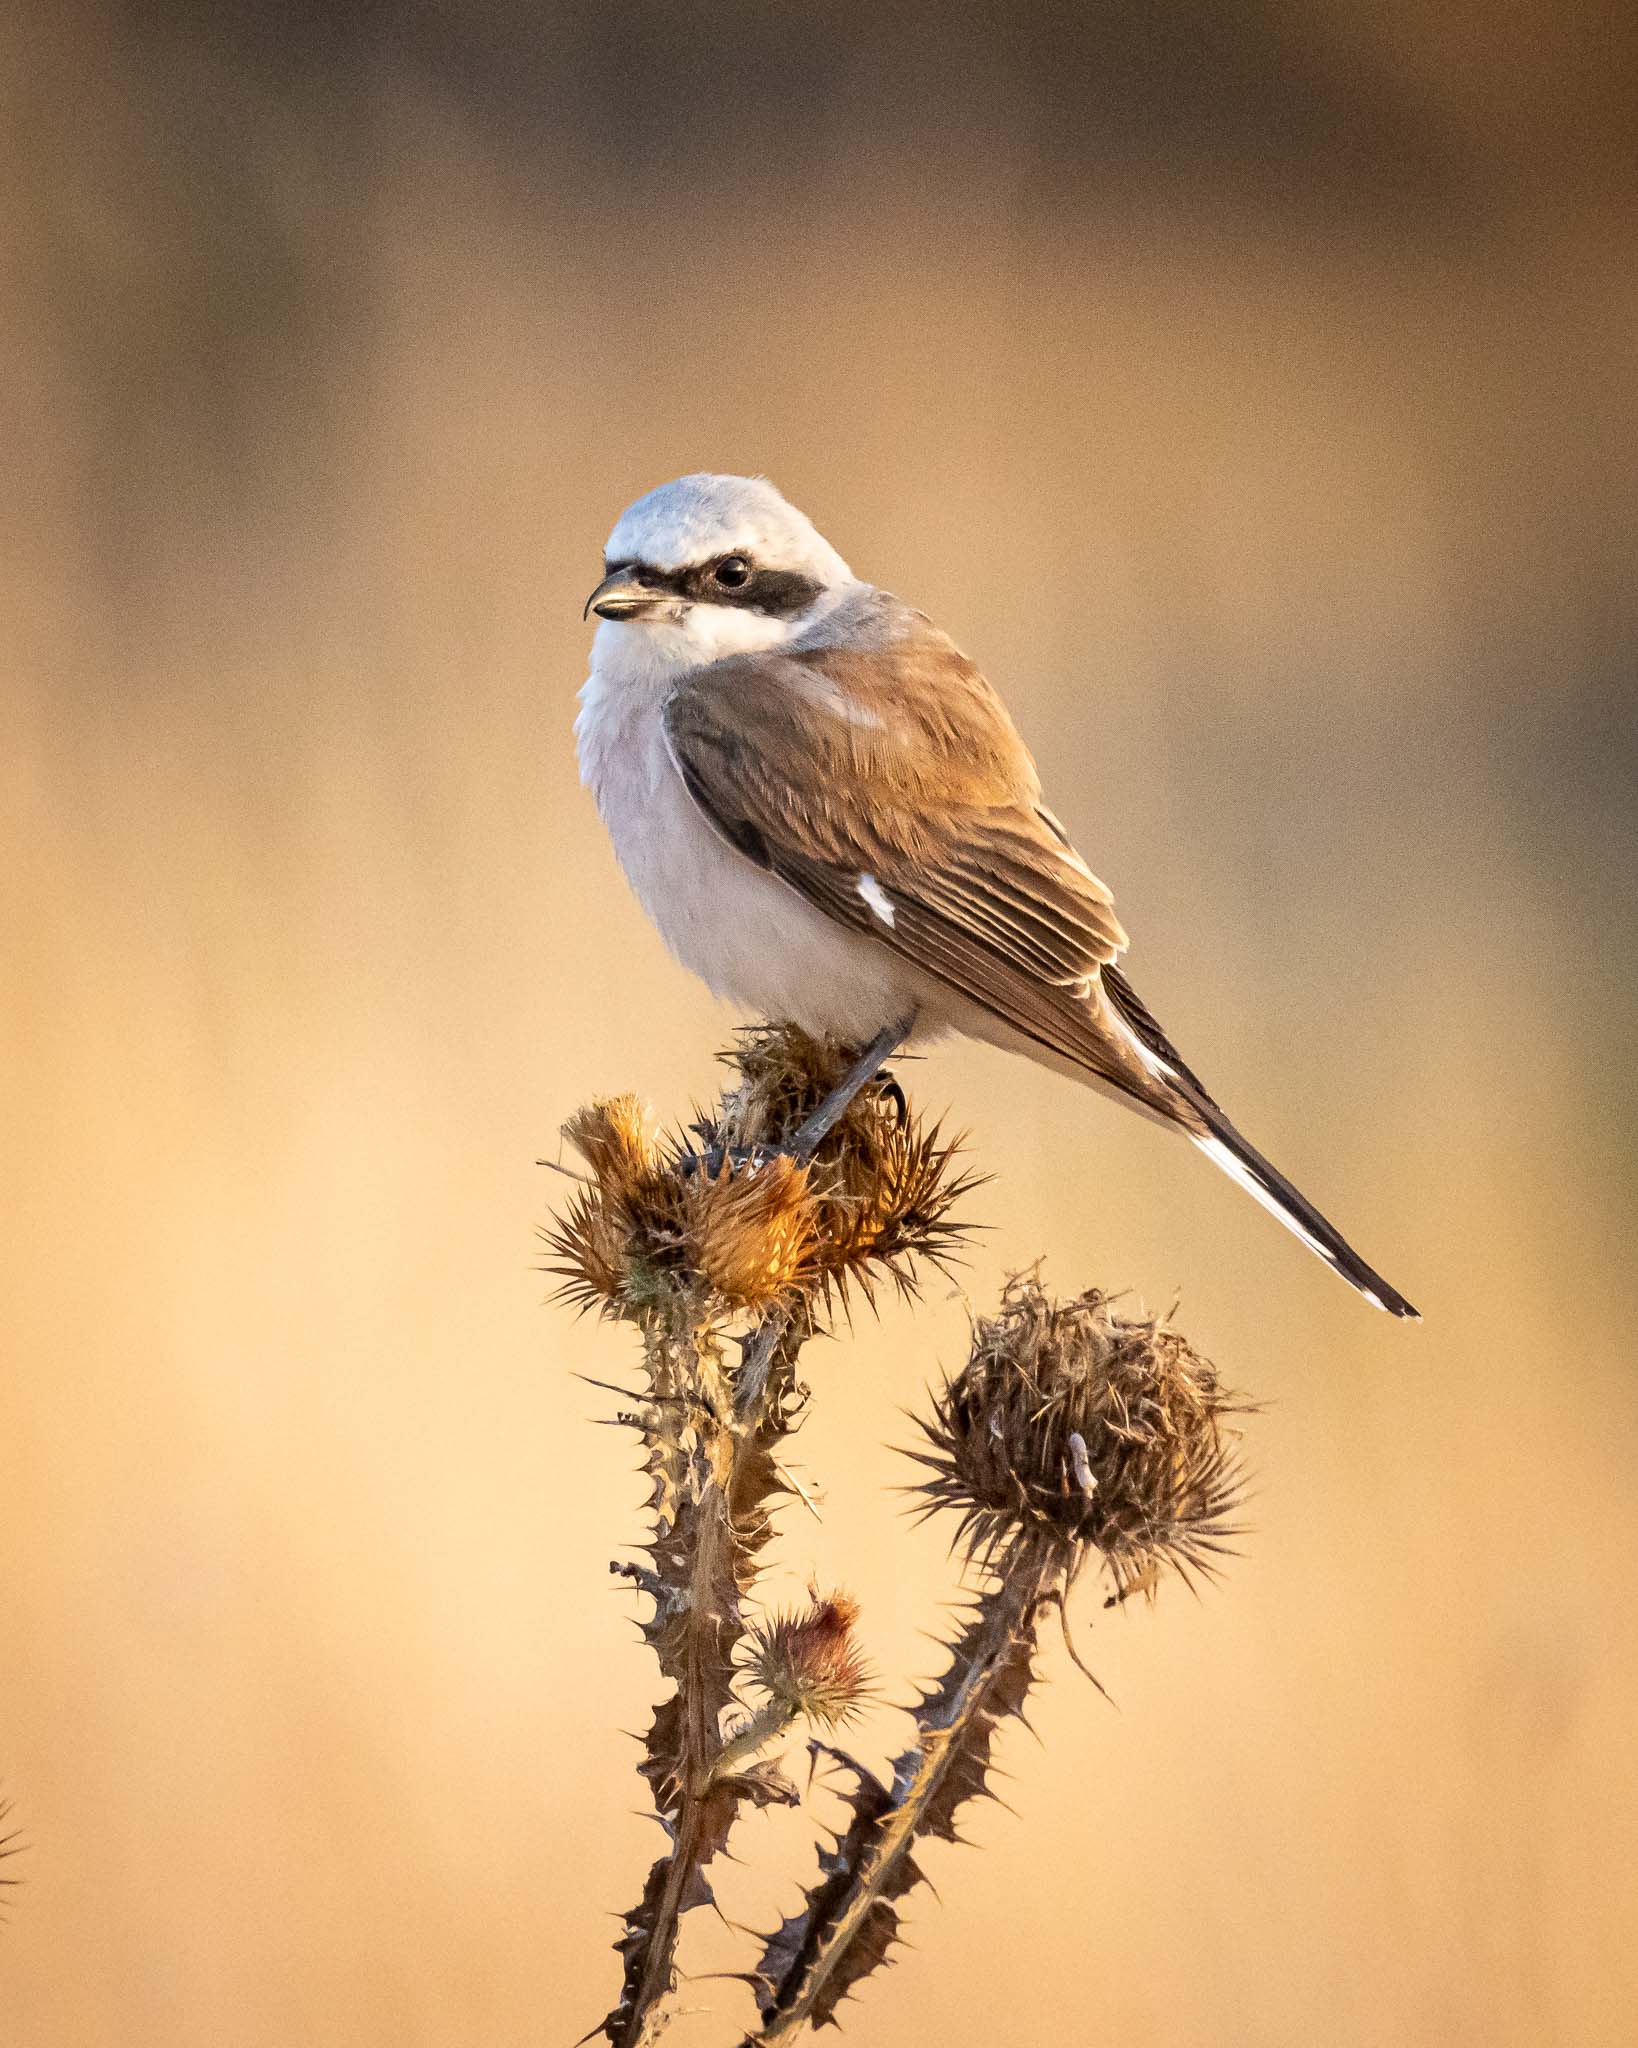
642,658
748,936
647,654
635,665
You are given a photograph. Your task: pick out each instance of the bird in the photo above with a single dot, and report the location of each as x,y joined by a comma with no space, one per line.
827,812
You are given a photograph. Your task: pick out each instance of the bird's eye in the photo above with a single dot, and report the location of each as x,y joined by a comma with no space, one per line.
733,572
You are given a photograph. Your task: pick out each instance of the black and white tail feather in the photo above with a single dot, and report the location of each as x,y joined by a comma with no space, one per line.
1224,1146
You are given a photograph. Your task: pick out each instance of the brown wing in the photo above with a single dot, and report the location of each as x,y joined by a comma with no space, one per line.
890,775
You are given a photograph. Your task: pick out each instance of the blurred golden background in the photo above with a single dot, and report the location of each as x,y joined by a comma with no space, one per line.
1253,391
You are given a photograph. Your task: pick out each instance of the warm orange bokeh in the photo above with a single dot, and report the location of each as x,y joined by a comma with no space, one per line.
1268,431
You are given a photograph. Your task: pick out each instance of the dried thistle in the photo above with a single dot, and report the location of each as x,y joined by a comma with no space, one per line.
849,1920
885,1185
743,1227
655,1224
1075,1430
713,1486
616,1138
685,1244
751,1231
603,1245
1072,1430
1084,1426
783,1076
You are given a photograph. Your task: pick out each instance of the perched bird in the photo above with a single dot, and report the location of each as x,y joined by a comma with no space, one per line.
827,812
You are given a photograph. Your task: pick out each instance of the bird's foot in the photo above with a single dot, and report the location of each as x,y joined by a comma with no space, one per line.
888,1082
712,1157
801,1144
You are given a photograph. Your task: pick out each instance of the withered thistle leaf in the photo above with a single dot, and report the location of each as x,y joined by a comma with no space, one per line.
764,1783
787,1950
850,1919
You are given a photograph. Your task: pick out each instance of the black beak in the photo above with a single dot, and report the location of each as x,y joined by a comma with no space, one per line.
621,596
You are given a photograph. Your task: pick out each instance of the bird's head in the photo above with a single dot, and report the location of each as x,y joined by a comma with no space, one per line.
715,565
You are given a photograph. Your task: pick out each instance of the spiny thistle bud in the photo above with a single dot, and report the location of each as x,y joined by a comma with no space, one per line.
1076,1426
749,1230
808,1664
595,1238
651,1220
883,1184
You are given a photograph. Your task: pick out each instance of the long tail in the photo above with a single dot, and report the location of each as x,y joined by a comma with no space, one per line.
1239,1159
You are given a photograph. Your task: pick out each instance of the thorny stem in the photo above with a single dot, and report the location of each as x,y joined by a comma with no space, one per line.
757,1421
751,1382
755,1732
676,1257
700,1750
1008,1612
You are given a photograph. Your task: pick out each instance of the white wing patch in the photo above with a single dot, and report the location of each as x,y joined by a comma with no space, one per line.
875,899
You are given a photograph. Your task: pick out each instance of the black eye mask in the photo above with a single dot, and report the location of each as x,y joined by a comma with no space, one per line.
781,593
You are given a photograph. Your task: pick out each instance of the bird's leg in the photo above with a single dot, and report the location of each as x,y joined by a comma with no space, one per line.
813,1132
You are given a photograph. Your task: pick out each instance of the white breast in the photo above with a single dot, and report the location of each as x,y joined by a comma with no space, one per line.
748,936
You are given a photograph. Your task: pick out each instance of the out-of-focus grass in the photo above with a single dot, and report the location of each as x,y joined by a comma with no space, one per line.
1293,525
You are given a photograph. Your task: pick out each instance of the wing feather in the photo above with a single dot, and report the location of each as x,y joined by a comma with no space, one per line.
898,762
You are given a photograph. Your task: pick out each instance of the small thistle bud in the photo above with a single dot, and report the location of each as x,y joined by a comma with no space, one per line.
599,1240
808,1664
749,1230
617,1141
884,1185
652,1223
1078,1426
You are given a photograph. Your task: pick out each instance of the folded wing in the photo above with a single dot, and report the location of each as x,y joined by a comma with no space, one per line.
888,786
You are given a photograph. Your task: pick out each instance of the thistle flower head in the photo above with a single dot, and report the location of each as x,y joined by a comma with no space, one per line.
750,1230
616,1138
808,1664
742,1225
594,1240
1079,1426
651,1223
885,1184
